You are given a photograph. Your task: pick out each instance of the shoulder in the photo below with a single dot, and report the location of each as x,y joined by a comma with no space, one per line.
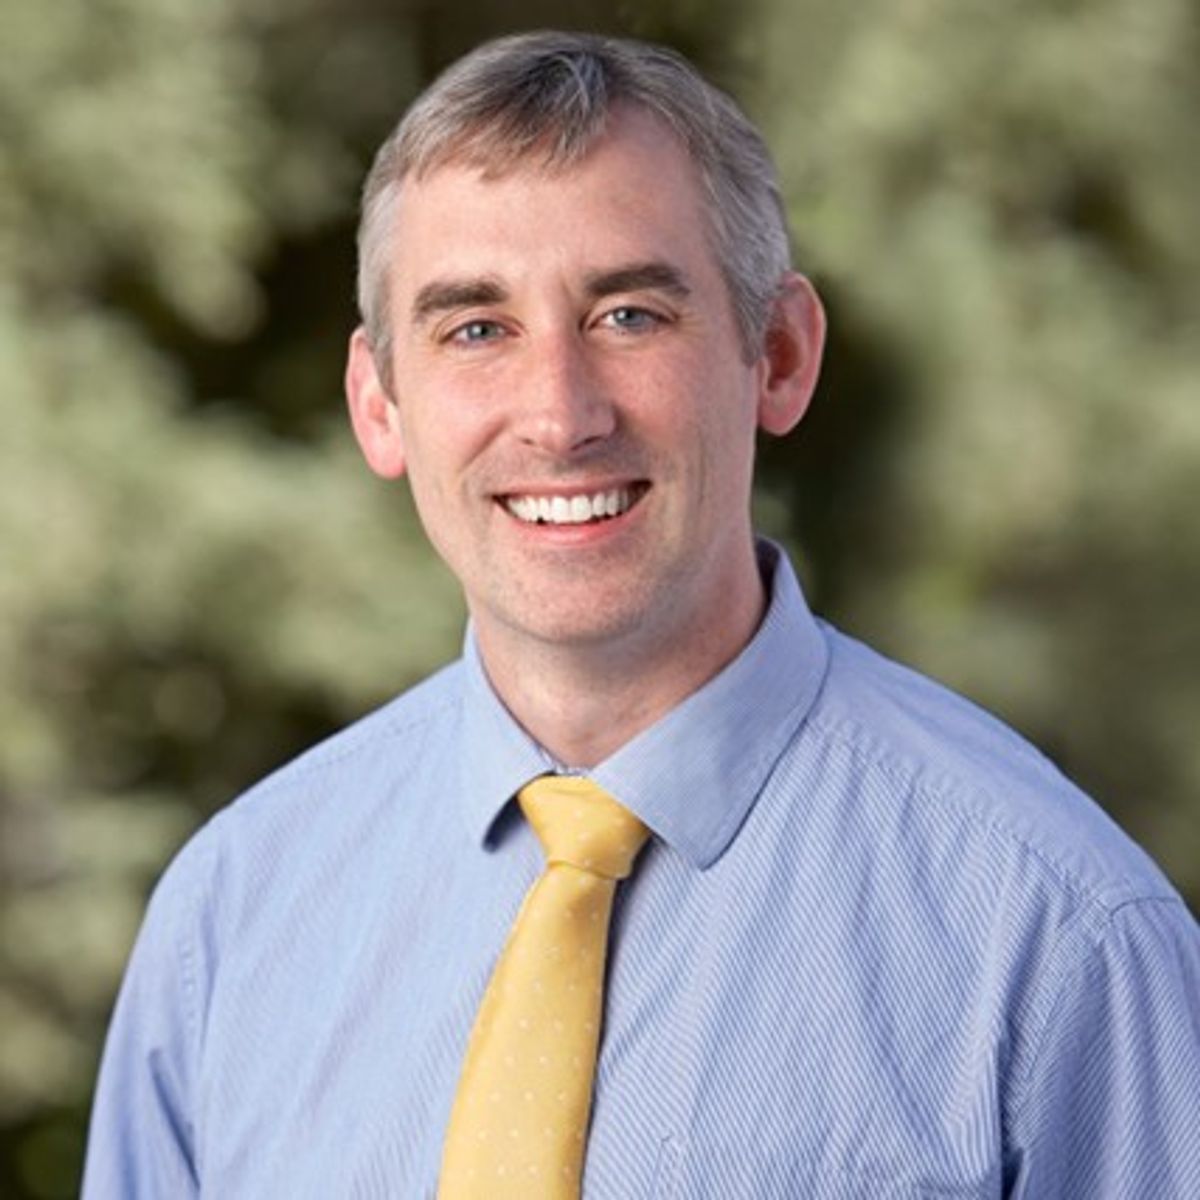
969,877
349,790
951,778
395,737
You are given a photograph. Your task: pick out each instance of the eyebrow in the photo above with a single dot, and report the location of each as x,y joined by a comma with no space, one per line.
636,277
444,295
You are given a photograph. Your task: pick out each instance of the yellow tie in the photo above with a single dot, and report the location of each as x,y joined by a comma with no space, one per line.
519,1122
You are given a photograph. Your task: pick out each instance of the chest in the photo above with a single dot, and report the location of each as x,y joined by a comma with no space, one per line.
751,1047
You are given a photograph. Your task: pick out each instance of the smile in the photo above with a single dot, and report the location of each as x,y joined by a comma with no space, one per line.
574,509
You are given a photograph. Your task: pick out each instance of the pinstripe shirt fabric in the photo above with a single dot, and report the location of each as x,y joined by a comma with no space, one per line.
877,948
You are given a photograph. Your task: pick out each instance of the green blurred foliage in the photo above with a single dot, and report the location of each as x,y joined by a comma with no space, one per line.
198,578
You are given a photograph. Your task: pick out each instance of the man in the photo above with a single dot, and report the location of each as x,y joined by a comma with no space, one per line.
875,945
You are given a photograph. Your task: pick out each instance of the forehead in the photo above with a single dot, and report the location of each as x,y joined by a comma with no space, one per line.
635,193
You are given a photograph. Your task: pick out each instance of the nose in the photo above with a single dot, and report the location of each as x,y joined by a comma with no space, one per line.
563,407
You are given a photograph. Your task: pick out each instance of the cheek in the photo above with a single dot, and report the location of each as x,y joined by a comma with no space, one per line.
730,428
443,432
667,398
432,475
724,413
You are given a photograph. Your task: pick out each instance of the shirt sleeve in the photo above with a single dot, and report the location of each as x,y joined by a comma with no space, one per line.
141,1141
1112,1105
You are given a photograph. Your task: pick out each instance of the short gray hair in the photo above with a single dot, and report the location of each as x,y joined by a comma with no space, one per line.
546,97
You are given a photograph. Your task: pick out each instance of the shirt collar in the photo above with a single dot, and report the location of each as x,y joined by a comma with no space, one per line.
694,775
498,756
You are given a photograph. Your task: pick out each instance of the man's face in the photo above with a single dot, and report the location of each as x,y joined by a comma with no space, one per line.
571,403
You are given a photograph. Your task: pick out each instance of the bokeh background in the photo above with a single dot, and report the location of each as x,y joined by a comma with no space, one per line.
999,482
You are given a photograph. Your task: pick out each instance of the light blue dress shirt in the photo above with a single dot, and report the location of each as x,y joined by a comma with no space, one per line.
877,948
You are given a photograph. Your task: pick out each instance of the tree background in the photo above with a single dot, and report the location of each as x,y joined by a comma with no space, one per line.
998,483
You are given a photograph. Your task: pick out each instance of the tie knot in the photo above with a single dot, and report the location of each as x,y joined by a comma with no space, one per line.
581,824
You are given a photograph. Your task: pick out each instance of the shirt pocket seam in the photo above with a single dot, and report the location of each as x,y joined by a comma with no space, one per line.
668,1170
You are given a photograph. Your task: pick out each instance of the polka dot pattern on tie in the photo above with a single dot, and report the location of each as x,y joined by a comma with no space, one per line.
519,1123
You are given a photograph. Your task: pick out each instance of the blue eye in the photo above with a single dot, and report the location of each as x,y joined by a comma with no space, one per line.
474,332
631,319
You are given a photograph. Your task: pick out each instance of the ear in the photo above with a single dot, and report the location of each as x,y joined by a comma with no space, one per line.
373,413
791,358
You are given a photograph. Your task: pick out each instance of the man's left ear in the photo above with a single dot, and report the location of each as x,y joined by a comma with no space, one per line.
791,358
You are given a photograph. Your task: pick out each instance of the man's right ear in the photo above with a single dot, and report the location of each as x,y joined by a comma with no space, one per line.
373,413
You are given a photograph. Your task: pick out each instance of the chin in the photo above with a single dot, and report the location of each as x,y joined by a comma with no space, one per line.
585,633
586,614
585,627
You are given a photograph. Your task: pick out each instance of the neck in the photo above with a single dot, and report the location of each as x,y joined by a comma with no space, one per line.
582,703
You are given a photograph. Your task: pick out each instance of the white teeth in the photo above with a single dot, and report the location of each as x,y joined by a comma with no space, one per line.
569,510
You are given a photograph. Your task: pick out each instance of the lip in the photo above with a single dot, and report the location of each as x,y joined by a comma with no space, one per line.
587,487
